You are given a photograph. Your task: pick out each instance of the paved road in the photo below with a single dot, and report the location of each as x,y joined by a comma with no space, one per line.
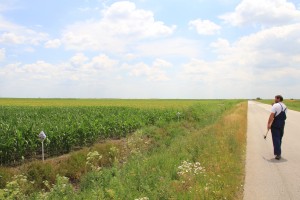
267,178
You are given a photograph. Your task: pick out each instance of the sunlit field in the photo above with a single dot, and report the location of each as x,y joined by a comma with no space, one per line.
136,103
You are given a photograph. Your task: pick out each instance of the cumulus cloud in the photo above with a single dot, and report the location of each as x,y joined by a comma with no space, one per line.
268,57
134,47
11,33
96,76
53,43
176,46
217,72
205,27
102,62
120,24
79,59
160,63
264,13
221,46
266,48
154,72
81,68
2,54
85,70
271,47
129,56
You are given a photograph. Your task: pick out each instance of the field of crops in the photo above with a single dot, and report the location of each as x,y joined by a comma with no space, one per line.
67,127
135,103
71,124
291,104
210,132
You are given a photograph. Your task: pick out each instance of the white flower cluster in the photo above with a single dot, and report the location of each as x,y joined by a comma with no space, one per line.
92,161
190,168
143,198
136,143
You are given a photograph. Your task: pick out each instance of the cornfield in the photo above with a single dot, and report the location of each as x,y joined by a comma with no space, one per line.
68,127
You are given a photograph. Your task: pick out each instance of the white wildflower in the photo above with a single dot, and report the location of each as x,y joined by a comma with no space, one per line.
143,198
190,168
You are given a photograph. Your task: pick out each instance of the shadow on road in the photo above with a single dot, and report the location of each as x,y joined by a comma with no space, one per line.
273,160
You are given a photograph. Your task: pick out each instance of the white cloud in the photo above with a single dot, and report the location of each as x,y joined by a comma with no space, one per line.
160,63
2,54
154,53
11,33
205,27
129,56
102,62
9,69
221,43
120,25
155,72
244,67
79,59
85,69
98,76
29,49
221,46
12,38
274,46
123,18
217,79
265,13
180,47
216,72
53,43
270,44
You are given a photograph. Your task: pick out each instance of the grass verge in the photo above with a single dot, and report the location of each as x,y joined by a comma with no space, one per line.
189,162
72,165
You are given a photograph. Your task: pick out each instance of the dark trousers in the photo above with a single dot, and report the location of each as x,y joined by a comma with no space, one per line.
277,134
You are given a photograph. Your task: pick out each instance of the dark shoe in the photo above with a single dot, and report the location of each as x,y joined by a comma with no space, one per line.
278,157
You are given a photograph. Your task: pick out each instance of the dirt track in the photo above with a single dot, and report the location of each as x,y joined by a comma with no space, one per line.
267,178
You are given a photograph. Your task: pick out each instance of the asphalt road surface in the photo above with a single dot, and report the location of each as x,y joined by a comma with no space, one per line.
267,178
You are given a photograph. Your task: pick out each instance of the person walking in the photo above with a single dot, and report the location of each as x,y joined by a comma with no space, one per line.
276,123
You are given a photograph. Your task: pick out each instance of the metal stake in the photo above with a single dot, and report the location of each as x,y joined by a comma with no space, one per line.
42,137
43,150
178,115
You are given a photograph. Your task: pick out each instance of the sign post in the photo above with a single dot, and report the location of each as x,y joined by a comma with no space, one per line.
178,115
42,137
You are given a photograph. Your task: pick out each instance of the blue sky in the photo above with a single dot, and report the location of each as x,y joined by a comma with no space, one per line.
150,49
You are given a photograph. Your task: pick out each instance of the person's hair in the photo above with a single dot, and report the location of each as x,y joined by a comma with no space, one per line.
279,97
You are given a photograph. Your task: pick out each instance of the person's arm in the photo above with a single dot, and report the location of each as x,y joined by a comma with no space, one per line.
270,121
